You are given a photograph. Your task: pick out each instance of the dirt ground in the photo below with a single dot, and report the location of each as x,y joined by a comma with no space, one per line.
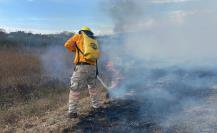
110,119
122,115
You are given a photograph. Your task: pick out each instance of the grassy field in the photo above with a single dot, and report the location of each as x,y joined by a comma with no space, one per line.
33,100
25,91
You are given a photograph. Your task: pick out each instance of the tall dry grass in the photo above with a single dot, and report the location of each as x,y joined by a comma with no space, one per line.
24,89
22,77
18,72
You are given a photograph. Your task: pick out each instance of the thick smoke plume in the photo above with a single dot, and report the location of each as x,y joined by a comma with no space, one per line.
153,32
166,59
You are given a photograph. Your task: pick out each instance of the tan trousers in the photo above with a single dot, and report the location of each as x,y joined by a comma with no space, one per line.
83,76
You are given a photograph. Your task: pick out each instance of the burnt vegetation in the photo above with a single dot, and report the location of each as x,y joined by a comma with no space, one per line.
34,77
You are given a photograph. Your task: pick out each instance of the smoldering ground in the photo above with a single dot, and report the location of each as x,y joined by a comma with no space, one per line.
172,96
166,95
166,58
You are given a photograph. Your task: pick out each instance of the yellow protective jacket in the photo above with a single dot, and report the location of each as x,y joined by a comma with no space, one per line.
77,39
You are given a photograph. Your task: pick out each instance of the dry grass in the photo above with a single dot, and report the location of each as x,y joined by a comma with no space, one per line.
24,90
22,77
17,64
27,92
24,111
20,72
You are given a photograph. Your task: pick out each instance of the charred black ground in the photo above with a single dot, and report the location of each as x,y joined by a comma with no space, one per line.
158,99
119,116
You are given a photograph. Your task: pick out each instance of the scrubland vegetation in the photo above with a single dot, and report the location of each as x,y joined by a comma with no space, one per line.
25,89
34,78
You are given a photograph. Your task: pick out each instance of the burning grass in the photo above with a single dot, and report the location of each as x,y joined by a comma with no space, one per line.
158,100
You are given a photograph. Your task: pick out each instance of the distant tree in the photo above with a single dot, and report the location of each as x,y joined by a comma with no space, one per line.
28,40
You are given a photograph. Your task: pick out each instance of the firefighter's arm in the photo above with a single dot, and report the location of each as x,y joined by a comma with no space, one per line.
70,43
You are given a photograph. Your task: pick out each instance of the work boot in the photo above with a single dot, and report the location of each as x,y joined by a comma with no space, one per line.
72,115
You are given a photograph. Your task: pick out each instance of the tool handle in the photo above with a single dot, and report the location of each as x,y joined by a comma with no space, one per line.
104,85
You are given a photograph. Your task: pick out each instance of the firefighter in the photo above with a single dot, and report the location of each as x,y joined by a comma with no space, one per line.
84,74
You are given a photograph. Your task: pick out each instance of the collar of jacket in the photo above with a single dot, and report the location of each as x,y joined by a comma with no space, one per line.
88,33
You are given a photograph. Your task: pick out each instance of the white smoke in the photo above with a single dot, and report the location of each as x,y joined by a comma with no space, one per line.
186,33
166,51
57,63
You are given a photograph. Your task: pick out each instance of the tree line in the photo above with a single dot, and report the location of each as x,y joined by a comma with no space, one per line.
28,39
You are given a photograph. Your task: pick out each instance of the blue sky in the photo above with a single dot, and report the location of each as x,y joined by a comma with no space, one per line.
49,16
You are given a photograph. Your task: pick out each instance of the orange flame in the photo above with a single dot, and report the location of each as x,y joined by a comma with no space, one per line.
116,76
